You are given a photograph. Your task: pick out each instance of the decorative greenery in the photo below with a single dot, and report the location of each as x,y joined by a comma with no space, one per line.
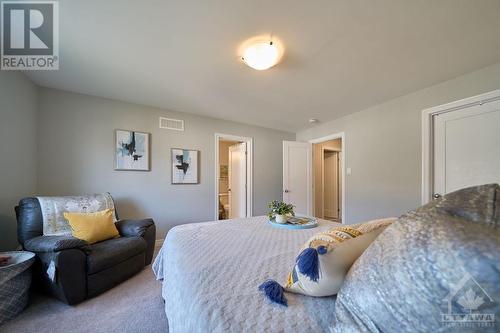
279,208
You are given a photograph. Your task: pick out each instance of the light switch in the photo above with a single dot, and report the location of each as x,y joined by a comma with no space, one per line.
348,171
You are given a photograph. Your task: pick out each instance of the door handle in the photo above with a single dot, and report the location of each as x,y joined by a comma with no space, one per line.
286,191
436,195
229,190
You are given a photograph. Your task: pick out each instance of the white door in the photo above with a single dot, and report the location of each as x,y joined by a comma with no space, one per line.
237,186
297,176
467,147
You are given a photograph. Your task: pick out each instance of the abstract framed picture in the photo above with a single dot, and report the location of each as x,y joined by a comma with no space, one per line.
185,166
132,150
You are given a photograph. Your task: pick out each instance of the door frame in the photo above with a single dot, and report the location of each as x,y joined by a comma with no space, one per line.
249,194
340,135
428,116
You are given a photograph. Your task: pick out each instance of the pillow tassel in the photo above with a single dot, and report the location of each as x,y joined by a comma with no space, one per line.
308,262
274,292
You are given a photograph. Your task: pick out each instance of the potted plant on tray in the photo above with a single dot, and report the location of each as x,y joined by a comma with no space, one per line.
280,211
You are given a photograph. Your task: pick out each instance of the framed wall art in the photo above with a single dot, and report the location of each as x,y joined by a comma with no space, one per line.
185,166
132,150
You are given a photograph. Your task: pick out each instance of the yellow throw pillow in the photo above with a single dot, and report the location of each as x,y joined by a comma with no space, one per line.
93,227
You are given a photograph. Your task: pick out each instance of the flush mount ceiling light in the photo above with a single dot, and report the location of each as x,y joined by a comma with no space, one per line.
261,54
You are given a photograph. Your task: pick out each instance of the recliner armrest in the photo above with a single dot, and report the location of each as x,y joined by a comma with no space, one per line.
133,228
140,228
55,243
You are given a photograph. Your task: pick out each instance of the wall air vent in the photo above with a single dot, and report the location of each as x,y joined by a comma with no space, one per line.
172,124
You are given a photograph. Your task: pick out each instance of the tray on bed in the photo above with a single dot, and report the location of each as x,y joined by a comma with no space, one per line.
296,222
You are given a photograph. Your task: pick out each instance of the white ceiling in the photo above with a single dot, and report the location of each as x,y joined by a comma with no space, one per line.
341,55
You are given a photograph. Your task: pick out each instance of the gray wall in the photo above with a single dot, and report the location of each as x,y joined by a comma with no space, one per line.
18,108
383,145
75,155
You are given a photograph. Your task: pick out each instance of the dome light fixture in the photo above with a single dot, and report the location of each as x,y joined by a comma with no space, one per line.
261,55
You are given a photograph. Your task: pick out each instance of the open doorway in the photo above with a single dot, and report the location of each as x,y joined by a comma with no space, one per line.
327,173
304,176
233,177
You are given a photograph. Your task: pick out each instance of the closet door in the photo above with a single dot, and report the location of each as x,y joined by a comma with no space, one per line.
466,147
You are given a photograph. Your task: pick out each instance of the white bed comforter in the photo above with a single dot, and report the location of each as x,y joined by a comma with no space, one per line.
211,272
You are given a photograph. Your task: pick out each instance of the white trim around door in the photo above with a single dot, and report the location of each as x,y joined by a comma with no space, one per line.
343,153
428,139
249,180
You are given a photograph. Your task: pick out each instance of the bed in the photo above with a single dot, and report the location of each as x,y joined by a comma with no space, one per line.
211,272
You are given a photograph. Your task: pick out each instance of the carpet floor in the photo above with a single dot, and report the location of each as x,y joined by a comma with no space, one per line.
135,305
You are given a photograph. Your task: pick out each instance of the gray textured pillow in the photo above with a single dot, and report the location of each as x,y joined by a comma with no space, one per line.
432,268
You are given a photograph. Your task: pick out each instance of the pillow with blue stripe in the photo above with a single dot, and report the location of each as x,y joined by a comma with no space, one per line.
324,261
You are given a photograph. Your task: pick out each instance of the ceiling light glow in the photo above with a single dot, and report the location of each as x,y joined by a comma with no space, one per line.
261,55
